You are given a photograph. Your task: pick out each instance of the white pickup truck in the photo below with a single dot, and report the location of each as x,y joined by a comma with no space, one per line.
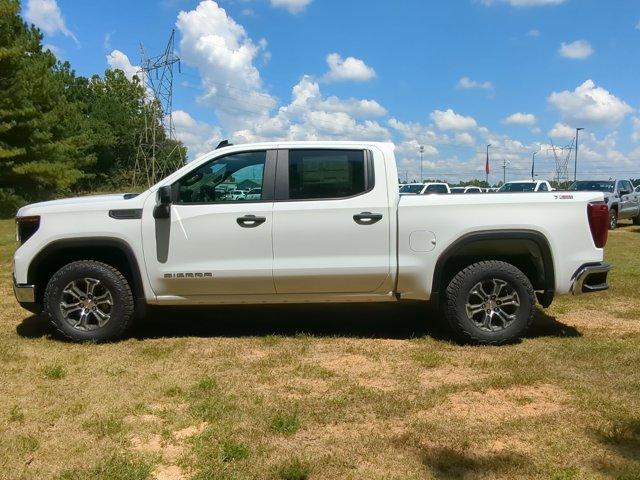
328,225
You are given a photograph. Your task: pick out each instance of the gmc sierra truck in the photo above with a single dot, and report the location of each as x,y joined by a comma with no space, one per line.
619,195
326,224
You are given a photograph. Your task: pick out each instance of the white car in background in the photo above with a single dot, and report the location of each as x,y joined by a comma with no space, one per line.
424,188
466,190
526,186
254,194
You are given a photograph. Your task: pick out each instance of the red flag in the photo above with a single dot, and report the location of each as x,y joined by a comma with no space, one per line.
486,166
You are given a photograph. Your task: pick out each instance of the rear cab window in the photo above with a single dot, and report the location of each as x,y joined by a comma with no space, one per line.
328,174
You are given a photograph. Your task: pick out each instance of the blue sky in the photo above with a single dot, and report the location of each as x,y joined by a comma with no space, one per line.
452,76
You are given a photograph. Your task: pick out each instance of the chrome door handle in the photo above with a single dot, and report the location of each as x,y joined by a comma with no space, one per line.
250,221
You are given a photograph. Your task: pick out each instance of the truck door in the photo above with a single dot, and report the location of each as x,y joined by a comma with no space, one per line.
330,222
217,241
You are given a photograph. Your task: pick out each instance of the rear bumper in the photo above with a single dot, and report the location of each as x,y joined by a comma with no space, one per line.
591,277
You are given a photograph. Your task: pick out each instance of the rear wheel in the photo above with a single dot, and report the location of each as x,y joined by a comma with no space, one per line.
490,302
613,219
89,301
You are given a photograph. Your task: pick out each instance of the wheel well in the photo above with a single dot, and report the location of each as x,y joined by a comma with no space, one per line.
527,251
614,207
55,256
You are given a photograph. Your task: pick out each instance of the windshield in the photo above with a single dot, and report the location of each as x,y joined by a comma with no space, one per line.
592,186
518,187
457,190
411,188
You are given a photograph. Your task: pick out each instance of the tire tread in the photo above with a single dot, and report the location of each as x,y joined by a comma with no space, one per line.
454,289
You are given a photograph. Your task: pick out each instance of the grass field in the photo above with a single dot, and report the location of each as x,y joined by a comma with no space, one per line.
371,392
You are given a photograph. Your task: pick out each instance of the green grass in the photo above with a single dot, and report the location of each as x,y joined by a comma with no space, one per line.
365,392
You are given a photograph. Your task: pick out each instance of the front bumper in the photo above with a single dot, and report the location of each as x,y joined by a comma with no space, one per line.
26,296
591,277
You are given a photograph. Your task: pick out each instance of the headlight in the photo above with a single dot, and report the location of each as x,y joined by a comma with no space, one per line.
26,227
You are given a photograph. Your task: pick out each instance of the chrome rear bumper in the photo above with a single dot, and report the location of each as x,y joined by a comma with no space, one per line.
591,277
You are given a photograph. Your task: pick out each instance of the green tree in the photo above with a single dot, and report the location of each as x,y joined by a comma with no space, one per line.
44,146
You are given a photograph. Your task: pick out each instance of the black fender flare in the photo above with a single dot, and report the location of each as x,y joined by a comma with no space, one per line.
545,298
56,246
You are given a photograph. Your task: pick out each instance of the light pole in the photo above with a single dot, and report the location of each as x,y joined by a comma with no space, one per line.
421,155
533,165
486,167
575,165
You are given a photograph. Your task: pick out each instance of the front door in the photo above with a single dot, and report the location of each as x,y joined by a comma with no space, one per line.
218,239
330,222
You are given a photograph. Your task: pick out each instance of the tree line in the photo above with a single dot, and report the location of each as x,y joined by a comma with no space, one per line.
61,133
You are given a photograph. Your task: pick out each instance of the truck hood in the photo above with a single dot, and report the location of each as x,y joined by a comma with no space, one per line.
113,200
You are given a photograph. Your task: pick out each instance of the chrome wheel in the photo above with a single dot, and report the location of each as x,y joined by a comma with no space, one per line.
492,304
86,304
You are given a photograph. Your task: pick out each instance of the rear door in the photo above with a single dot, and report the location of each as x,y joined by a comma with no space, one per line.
330,222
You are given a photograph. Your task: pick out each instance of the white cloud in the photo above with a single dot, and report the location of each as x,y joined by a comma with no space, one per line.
117,59
533,33
589,103
563,131
466,83
578,50
450,120
106,43
347,69
464,138
353,106
520,118
199,137
293,6
55,50
224,55
46,15
635,123
524,3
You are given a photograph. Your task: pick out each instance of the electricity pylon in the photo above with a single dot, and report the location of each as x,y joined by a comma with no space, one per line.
562,156
159,152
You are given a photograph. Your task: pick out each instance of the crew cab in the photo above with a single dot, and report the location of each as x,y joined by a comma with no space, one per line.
525,186
328,225
619,195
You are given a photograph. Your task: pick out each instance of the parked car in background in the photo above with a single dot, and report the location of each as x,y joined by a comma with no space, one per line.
424,188
254,194
236,194
466,190
329,227
526,186
620,196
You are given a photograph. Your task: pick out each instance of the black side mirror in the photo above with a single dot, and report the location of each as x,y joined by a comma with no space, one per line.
163,208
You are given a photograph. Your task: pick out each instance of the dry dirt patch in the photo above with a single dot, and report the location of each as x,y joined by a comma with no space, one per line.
498,405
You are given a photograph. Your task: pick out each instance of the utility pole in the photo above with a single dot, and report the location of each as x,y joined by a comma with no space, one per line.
533,165
486,167
575,166
421,156
504,170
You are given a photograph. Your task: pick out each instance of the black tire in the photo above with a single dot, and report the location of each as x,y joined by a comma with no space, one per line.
636,219
613,219
104,277
510,280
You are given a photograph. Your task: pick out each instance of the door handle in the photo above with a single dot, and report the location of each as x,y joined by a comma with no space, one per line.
250,221
367,218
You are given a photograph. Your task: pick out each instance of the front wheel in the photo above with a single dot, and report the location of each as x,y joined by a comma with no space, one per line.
490,302
89,301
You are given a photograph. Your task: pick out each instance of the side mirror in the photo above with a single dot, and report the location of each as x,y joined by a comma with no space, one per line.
163,208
